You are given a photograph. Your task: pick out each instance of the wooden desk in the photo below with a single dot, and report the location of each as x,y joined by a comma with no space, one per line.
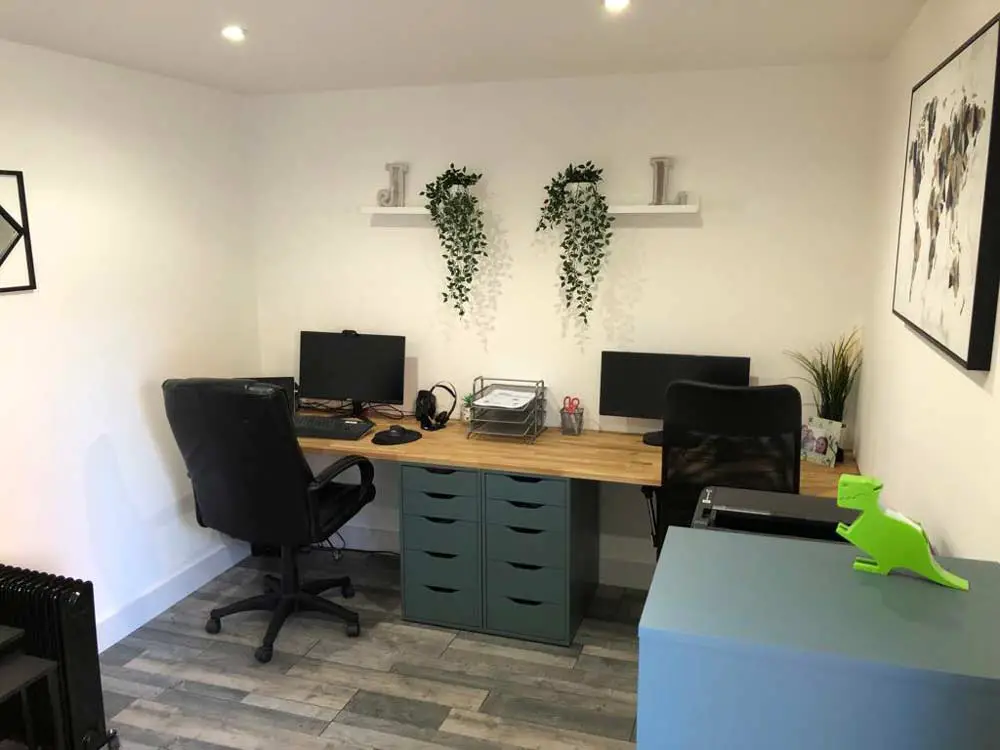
616,457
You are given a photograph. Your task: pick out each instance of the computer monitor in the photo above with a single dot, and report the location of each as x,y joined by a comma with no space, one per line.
635,384
359,367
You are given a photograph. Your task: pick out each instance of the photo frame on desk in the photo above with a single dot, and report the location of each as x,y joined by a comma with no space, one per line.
17,267
948,256
821,441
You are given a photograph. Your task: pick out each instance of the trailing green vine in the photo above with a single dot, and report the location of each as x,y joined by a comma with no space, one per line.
581,212
458,217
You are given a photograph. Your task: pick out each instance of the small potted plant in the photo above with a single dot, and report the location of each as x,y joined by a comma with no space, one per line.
832,371
467,407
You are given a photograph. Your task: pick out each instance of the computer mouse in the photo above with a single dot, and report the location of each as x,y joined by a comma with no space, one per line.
397,430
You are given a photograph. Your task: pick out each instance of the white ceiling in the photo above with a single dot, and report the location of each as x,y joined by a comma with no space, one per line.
308,45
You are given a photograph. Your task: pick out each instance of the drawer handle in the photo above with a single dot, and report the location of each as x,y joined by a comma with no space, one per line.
442,521
440,471
440,496
524,480
441,590
522,530
441,555
525,602
525,506
523,566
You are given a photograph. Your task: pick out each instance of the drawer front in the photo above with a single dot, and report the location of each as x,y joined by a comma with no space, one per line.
526,514
448,605
531,489
527,618
444,480
441,535
524,581
523,545
441,505
441,569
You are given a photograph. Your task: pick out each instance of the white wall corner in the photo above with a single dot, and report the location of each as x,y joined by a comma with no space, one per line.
161,597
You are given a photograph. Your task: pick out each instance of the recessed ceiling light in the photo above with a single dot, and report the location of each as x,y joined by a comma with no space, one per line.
616,6
234,34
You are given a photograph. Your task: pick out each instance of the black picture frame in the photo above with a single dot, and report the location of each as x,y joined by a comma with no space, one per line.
979,354
24,235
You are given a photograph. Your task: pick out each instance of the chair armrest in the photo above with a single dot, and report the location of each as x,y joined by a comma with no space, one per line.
337,468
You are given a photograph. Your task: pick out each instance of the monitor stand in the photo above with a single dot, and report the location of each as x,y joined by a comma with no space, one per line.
653,438
358,409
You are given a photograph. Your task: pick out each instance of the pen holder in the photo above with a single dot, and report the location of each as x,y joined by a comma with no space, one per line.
572,421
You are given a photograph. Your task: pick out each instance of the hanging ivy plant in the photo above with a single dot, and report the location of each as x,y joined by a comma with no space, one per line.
575,206
458,217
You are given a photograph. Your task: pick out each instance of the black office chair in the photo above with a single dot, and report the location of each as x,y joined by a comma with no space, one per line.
722,436
251,482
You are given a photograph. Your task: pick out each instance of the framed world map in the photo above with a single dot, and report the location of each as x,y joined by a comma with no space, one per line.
948,257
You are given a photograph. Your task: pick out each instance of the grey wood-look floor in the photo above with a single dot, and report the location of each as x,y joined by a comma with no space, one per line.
399,686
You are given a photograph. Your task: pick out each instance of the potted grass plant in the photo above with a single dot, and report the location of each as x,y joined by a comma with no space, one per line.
832,371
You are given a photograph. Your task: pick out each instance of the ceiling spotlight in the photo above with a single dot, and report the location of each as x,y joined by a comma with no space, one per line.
234,34
616,6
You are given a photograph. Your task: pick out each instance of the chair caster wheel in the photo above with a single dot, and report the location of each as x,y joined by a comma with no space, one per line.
347,591
213,626
353,629
264,654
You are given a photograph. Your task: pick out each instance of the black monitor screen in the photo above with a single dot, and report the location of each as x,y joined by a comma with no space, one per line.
635,385
359,367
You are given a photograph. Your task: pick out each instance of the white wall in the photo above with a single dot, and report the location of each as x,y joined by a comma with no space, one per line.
134,196
780,157
928,427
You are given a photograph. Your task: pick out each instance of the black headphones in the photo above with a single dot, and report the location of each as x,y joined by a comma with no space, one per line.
425,409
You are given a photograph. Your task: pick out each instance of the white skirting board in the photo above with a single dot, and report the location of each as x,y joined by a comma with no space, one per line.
134,615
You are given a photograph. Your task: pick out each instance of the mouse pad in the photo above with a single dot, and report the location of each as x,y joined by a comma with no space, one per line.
387,438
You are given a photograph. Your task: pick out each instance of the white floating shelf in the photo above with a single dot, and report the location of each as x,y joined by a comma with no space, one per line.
683,208
395,211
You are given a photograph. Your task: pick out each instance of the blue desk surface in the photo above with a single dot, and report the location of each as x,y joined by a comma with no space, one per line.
804,595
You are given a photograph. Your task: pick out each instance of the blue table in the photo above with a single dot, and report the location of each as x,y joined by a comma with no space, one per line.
763,642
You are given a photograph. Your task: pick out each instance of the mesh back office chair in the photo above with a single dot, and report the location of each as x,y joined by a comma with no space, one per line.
251,482
722,436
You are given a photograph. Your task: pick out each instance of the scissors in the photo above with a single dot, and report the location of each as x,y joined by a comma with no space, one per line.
571,404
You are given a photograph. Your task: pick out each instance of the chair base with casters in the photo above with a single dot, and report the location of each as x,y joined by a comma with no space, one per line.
286,595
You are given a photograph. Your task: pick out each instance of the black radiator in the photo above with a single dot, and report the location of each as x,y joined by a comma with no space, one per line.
58,619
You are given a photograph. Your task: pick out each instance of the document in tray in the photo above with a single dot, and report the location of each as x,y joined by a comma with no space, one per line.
505,398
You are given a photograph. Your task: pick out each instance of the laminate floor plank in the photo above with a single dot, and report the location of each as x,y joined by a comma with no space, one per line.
399,686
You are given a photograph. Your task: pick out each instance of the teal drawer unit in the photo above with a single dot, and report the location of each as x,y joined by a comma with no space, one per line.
530,489
519,580
442,557
527,618
443,605
541,547
441,479
503,553
441,505
440,535
523,544
523,514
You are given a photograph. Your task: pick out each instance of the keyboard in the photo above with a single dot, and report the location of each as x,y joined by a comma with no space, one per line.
331,428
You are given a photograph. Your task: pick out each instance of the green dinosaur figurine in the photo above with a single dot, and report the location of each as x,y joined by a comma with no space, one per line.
890,539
